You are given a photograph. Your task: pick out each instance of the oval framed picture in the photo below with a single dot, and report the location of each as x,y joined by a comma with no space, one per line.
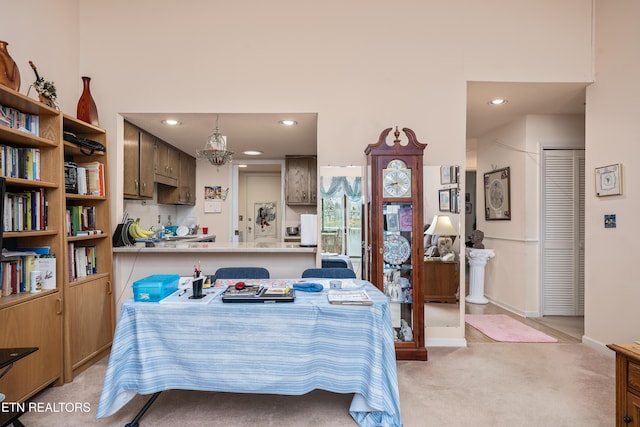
497,194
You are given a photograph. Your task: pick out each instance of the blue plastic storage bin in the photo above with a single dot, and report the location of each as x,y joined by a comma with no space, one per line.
155,287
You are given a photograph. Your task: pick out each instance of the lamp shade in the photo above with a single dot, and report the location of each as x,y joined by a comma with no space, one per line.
441,226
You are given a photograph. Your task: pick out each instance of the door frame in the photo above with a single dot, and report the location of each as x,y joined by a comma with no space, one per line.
235,201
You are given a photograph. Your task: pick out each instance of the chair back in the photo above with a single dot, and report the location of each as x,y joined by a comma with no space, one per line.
242,273
334,263
329,273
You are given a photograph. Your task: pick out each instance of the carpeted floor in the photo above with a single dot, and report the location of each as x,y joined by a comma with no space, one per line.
485,384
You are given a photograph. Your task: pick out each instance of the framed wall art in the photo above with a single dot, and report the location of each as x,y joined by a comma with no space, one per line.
265,224
444,197
497,194
609,180
453,200
445,174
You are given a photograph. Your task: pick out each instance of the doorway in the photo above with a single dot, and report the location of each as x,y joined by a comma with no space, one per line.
244,211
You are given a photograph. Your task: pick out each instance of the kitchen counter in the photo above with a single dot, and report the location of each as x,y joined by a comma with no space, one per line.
131,263
192,246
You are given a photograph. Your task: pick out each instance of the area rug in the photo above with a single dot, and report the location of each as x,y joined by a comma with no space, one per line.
503,328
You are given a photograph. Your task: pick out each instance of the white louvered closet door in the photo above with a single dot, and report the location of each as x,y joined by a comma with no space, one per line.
562,233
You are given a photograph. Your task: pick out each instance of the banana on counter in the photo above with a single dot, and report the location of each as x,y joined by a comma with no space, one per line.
136,231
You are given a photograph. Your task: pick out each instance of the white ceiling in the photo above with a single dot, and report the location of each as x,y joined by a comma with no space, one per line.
522,99
244,131
258,131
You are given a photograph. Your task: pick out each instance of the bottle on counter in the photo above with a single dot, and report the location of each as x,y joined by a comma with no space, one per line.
160,229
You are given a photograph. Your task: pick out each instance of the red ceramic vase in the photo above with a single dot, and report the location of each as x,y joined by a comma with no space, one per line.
9,72
87,110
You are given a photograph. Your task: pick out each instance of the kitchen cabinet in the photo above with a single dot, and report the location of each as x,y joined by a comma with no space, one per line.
139,173
301,180
627,384
167,163
185,191
441,281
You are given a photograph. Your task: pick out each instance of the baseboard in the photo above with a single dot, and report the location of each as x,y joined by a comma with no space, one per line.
597,345
446,342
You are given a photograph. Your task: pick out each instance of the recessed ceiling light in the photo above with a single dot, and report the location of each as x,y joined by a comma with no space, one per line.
242,166
252,152
171,122
497,101
288,122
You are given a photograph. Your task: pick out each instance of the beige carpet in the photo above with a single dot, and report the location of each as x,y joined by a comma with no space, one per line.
485,384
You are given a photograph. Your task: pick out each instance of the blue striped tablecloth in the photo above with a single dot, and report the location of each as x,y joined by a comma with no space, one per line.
284,348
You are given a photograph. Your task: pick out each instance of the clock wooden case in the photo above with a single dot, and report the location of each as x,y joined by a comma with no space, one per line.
395,236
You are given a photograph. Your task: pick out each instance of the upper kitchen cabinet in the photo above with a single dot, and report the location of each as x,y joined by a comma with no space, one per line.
139,147
167,164
301,180
185,191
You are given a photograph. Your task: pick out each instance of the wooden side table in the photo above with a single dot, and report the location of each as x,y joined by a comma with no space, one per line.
441,281
627,384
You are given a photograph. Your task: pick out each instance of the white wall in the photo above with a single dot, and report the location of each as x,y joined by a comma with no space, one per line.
512,276
612,291
361,65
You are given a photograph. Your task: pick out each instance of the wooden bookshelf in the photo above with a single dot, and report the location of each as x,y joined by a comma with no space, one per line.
75,321
35,319
89,306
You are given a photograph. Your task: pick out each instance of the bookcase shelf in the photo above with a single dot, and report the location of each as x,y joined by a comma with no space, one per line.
70,196
76,319
43,367
12,300
89,306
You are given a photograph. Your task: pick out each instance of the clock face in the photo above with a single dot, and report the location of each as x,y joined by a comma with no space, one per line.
397,183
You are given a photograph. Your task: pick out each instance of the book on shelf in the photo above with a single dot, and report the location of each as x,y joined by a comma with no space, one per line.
20,162
16,268
89,232
25,211
46,265
350,297
82,180
94,178
80,219
38,250
82,261
16,119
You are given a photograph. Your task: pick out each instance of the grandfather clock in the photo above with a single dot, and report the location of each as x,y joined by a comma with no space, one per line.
395,236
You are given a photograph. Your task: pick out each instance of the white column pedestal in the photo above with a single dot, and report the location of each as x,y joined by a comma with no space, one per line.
477,261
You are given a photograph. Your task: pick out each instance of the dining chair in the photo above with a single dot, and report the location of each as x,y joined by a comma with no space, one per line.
329,273
334,263
241,273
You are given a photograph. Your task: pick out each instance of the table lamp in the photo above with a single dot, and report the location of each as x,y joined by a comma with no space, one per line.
441,226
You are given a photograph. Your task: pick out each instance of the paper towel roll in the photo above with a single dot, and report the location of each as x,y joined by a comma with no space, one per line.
308,230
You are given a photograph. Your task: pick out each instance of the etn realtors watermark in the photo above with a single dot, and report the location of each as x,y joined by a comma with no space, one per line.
46,407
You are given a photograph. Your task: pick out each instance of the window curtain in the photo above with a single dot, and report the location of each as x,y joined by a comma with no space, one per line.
336,186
